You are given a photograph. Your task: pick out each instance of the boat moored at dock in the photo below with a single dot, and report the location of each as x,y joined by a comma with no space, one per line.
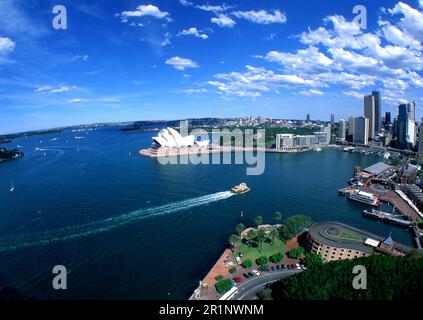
364,197
388,217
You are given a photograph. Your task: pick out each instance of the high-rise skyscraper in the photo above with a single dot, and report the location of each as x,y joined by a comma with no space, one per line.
406,125
378,111
361,130
332,120
370,113
387,118
342,132
351,122
308,118
420,144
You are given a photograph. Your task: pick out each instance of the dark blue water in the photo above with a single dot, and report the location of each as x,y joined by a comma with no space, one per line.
128,227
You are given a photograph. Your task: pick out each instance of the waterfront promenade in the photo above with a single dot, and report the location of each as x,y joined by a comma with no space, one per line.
196,150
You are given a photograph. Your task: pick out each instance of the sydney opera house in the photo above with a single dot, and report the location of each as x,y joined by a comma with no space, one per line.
171,138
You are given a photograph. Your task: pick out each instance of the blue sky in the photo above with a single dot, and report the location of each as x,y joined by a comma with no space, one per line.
145,60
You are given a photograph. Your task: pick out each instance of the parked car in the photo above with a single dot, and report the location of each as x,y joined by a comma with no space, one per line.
303,267
251,274
283,267
255,272
278,267
246,275
273,268
293,266
288,266
238,279
298,266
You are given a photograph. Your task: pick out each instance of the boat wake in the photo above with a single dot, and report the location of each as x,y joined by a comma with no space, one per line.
10,243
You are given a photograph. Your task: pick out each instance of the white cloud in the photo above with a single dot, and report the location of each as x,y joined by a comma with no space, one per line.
50,89
311,92
181,63
83,57
307,60
396,36
186,3
206,7
223,21
354,94
412,20
255,81
166,39
6,46
143,11
101,100
262,16
191,91
193,32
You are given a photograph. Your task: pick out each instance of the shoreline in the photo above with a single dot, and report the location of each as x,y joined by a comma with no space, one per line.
186,151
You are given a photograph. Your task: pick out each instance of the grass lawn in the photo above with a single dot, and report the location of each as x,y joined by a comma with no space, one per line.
267,250
349,236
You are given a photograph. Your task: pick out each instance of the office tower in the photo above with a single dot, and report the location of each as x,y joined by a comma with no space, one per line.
361,130
332,120
351,121
387,119
342,134
308,118
370,113
420,145
378,111
406,125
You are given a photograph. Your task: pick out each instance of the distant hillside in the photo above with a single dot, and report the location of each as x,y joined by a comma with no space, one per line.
388,278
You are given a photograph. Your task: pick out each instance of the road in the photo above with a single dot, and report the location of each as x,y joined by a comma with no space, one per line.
249,288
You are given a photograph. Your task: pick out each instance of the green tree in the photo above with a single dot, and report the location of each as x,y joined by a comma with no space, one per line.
296,253
260,237
219,277
251,237
313,260
233,240
274,233
277,216
265,294
262,260
247,264
294,225
258,220
277,257
232,269
223,286
239,228
392,278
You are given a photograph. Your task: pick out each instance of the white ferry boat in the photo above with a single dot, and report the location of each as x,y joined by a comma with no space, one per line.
365,197
241,188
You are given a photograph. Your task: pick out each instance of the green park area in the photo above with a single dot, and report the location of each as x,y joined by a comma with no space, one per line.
268,248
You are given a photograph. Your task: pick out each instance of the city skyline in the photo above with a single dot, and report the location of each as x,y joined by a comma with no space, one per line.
161,60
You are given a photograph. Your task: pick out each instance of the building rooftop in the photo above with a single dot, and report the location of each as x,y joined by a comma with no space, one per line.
340,235
378,168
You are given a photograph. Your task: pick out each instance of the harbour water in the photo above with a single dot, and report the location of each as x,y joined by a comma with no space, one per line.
127,227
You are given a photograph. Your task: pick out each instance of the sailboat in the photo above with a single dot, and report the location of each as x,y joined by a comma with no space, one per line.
12,187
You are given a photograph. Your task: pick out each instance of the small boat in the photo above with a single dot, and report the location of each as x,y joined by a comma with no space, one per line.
78,138
54,139
241,188
12,187
317,149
